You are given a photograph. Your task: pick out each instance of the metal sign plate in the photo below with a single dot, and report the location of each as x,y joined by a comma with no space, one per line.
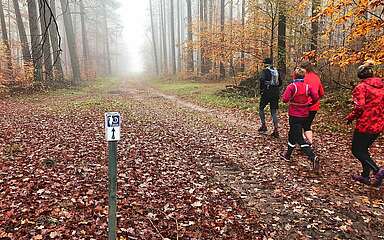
112,126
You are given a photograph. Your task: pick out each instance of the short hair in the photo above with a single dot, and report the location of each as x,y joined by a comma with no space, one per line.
300,73
267,61
308,66
365,71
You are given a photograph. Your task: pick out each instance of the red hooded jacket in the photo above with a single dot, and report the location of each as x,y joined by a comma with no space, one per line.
313,80
300,96
368,97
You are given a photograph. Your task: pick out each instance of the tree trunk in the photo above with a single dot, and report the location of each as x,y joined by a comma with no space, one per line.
242,67
231,36
160,37
179,26
45,22
203,29
222,21
56,41
71,43
281,43
315,25
153,39
84,35
6,43
173,51
35,40
108,52
191,66
164,36
22,34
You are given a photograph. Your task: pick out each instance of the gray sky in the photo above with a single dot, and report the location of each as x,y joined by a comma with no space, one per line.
133,14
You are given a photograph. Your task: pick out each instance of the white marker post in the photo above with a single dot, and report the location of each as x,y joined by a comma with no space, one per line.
112,135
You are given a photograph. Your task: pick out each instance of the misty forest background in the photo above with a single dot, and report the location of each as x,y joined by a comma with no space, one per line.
228,39
49,43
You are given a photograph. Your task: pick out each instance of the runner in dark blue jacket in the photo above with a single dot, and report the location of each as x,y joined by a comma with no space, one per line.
270,83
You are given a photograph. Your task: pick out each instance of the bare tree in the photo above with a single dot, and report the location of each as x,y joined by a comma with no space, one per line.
76,78
179,29
45,22
242,66
55,36
35,40
222,21
164,35
190,37
173,52
84,34
22,34
106,33
153,38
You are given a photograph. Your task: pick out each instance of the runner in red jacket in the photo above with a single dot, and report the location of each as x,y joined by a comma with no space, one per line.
313,80
300,96
368,112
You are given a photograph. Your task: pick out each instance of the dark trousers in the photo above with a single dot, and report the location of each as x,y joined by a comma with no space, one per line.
361,142
295,136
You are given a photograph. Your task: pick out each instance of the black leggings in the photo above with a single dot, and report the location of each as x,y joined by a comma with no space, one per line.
295,136
308,122
361,142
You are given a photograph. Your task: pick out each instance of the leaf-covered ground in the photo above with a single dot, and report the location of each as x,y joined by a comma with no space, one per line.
184,172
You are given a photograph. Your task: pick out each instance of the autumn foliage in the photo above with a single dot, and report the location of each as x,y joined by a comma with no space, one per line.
350,32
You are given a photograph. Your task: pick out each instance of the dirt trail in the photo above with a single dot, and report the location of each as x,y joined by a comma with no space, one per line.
289,199
185,172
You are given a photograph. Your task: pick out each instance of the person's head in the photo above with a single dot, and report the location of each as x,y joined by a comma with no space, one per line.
267,61
299,73
365,71
308,66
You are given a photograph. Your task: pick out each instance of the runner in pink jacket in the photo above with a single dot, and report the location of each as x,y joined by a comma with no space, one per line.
300,97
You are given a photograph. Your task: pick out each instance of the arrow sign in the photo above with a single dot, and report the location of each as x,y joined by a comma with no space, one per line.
113,133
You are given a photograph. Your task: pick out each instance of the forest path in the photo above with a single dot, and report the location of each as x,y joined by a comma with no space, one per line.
185,171
287,198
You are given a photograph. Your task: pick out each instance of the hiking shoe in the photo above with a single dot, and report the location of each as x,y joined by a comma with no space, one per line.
379,176
275,134
263,129
316,164
361,179
285,157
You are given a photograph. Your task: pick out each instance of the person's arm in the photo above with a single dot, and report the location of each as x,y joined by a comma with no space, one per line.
262,79
358,96
288,93
314,95
321,90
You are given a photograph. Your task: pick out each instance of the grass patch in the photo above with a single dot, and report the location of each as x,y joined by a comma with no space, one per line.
206,94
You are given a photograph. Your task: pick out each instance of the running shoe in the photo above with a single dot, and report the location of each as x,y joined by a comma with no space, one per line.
361,179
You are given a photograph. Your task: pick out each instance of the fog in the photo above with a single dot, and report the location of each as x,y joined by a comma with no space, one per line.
134,18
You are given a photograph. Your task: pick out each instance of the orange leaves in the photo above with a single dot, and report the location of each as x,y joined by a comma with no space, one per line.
361,28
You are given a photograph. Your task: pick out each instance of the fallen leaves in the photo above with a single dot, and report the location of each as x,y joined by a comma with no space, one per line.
180,175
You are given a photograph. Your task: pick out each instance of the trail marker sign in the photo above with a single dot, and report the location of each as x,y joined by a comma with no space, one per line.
112,135
112,126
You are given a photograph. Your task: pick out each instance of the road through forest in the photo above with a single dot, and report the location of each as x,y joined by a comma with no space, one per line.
184,172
